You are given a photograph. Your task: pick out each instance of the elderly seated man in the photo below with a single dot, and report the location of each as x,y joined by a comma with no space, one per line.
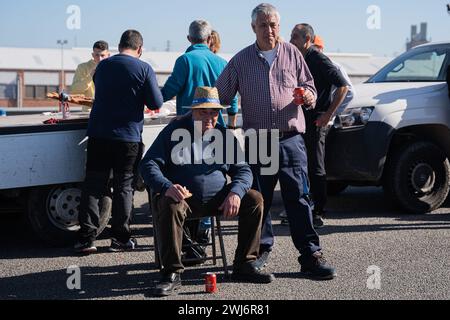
187,186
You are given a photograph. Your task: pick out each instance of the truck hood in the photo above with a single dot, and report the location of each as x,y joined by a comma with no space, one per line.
387,93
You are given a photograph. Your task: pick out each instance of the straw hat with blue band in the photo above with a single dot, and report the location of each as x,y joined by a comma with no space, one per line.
206,98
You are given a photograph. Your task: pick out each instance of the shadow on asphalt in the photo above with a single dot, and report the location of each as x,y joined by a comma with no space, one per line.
18,241
366,202
96,283
382,227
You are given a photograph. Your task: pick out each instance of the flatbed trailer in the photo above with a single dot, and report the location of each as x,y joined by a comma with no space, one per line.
42,167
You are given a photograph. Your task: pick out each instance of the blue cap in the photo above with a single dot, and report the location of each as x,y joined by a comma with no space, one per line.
2,113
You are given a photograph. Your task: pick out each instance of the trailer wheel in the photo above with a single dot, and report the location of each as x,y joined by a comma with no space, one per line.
418,177
53,213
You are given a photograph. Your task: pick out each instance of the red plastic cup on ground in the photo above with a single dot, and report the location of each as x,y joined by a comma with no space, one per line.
211,282
298,96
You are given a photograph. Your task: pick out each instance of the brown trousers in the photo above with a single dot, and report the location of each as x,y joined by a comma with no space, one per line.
171,216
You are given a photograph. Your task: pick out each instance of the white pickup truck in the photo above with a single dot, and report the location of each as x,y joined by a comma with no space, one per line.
396,132
42,166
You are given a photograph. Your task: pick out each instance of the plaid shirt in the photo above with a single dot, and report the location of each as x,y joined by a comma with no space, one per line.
267,91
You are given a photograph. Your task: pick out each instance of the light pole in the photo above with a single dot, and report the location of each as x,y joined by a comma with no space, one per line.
63,80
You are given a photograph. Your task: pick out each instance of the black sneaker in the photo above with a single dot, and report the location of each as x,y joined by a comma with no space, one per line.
249,273
85,248
204,236
193,256
262,260
318,221
117,246
167,285
284,220
315,267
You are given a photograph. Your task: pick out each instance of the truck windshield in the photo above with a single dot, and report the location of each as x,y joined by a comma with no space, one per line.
426,64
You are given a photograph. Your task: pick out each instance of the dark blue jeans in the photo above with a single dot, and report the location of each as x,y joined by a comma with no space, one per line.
104,156
293,177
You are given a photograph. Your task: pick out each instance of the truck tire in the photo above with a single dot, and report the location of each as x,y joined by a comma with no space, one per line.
335,187
418,177
53,213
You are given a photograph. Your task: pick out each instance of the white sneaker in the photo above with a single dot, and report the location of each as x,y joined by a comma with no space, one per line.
85,248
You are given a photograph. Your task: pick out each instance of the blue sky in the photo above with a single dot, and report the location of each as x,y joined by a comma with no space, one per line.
342,24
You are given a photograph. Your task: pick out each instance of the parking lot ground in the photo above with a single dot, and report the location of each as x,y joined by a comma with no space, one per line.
379,253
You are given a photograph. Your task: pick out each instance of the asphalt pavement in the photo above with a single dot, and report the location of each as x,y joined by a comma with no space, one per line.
378,251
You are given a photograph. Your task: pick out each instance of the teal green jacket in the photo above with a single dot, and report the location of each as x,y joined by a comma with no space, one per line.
196,68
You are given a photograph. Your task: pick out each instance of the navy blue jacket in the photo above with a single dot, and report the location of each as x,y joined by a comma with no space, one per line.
204,181
123,85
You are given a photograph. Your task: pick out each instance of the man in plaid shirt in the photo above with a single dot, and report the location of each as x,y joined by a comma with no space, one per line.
265,74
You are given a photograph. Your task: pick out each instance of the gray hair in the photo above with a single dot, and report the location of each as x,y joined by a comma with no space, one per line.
266,9
199,31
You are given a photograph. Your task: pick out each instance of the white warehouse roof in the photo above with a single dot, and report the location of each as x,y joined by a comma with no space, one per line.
162,62
50,59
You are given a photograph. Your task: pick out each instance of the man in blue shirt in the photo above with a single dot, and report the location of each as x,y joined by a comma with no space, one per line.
198,67
124,84
193,186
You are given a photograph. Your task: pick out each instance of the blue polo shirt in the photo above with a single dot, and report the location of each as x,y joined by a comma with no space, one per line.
123,85
198,67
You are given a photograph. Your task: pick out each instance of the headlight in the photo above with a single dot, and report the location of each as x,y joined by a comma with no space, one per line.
352,118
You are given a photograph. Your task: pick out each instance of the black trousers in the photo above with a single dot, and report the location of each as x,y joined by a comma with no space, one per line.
315,145
292,175
104,156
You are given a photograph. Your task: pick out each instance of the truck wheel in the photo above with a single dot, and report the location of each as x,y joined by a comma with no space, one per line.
53,213
418,177
335,187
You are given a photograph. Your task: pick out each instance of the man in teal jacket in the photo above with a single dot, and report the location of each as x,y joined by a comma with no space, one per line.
196,68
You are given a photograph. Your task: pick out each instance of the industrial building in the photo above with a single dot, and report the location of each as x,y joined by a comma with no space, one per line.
28,74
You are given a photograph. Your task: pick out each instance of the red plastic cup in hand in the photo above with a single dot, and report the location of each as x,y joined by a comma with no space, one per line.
298,96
